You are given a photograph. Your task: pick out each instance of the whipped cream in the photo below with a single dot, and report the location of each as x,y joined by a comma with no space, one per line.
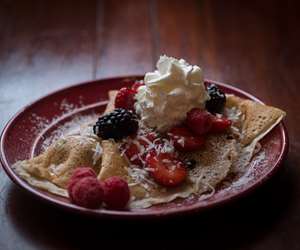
169,93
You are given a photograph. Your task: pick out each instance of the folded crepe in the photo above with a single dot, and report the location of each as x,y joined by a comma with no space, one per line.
58,162
258,119
221,155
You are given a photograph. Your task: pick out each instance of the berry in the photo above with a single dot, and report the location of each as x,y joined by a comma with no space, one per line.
198,121
81,172
117,124
132,153
136,85
184,140
166,169
217,99
125,98
78,174
220,125
116,192
87,192
148,138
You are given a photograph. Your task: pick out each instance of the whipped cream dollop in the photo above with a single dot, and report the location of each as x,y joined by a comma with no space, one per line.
169,93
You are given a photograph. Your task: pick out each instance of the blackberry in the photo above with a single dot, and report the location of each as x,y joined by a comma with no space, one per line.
116,125
217,99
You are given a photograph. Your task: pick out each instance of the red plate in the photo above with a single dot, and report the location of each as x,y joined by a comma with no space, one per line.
24,134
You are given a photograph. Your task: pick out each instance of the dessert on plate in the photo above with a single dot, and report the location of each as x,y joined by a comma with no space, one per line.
169,136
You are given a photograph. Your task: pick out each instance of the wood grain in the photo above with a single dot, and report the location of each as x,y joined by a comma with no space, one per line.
45,45
123,38
43,48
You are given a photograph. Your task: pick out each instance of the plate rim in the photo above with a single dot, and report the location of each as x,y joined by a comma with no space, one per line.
197,207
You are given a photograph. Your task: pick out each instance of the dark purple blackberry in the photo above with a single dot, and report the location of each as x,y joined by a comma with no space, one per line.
217,99
116,125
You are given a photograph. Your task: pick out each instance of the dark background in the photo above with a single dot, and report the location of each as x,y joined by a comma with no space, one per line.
254,45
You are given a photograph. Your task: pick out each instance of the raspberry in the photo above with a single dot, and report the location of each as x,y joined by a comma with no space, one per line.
125,98
117,124
87,192
116,192
78,174
199,121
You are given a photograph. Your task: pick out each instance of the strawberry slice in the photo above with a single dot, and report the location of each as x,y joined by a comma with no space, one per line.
220,124
132,153
198,121
147,139
136,150
125,98
166,169
184,140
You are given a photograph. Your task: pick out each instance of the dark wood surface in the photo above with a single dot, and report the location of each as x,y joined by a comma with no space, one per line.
46,45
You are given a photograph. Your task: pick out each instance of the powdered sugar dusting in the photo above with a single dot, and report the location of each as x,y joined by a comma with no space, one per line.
66,106
40,122
79,124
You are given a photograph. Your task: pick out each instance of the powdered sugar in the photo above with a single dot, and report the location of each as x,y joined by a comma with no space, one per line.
79,125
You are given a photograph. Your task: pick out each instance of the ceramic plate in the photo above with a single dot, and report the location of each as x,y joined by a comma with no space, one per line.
27,131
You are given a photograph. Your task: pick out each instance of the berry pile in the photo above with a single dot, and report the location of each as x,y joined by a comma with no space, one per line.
191,135
117,124
146,149
165,167
85,190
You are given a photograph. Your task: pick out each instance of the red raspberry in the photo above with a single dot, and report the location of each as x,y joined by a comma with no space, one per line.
116,192
136,85
87,192
184,140
125,99
220,124
199,121
78,174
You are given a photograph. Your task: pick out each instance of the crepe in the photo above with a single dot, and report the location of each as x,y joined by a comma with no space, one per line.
221,155
212,165
58,162
257,118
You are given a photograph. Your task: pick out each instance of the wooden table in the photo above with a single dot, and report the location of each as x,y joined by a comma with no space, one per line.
254,45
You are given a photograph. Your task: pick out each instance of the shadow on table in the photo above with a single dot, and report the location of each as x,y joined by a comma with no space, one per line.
237,225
